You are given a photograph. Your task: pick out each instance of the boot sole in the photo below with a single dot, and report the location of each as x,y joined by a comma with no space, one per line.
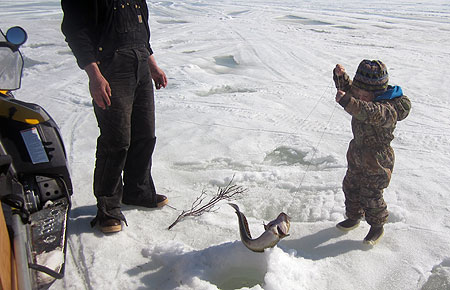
373,242
162,203
111,229
347,229
158,205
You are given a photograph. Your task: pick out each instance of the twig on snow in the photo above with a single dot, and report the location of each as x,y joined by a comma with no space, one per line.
228,192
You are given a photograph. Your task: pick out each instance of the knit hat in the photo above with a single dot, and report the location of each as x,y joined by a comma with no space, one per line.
371,75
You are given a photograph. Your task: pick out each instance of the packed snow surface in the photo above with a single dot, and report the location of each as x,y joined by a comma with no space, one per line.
250,95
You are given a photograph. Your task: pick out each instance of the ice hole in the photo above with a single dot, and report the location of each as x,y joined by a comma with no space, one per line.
238,277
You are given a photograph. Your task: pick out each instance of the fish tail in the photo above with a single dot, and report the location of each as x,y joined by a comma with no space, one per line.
234,206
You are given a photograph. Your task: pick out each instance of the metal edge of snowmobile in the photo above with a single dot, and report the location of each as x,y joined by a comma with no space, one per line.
42,238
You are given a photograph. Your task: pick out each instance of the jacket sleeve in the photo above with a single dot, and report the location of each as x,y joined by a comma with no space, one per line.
77,26
382,114
147,25
403,106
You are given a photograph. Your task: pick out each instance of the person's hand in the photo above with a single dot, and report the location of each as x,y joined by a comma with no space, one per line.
98,86
100,92
339,95
158,76
339,70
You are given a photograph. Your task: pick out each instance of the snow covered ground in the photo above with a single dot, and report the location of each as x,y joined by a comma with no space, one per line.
250,94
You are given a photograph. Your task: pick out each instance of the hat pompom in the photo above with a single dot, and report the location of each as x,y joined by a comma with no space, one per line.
371,75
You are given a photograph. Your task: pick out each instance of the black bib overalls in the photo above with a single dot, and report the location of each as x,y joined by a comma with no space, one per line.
127,128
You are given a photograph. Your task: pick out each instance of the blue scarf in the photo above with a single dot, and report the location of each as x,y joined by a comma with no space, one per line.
392,93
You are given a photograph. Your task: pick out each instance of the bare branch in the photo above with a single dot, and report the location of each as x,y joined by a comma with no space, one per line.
228,193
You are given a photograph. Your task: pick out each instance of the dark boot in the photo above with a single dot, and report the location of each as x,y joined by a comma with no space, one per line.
110,225
145,201
348,225
374,235
110,221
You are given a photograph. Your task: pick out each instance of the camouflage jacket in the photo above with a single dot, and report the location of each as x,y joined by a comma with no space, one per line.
373,123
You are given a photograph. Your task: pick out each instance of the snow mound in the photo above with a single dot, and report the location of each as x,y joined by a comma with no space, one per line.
229,266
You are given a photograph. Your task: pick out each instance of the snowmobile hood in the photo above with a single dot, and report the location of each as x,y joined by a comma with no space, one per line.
391,93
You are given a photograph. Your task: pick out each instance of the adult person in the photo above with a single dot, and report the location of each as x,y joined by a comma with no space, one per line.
110,40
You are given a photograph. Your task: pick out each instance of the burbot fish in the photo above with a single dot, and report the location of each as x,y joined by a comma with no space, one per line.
274,231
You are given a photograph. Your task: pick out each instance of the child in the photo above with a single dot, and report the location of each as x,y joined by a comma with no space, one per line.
375,108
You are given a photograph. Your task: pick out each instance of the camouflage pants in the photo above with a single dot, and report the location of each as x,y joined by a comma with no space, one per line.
369,172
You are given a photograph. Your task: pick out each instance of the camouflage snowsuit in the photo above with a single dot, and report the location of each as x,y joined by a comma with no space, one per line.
370,157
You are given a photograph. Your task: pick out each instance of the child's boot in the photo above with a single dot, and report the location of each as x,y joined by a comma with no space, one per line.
348,225
374,235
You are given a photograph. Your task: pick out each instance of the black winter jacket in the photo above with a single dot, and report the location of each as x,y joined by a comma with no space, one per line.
94,29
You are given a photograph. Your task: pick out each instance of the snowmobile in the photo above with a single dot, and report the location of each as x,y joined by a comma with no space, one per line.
35,184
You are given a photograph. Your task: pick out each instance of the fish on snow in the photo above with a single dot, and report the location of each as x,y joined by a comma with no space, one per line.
274,231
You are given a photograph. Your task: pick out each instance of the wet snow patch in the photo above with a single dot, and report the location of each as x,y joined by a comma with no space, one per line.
236,13
28,62
171,21
344,27
440,277
224,89
39,45
215,163
287,156
303,20
226,60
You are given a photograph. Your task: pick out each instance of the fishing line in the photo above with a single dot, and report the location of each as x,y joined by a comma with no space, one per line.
308,115
296,132
322,133
314,108
315,148
321,136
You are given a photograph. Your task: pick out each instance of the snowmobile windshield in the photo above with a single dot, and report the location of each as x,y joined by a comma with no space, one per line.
11,65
